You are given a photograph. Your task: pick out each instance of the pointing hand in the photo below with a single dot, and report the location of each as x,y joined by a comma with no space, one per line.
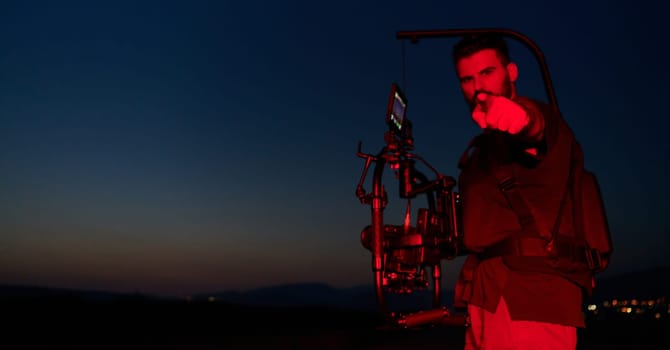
499,113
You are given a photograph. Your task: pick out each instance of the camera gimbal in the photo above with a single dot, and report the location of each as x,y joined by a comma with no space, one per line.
401,253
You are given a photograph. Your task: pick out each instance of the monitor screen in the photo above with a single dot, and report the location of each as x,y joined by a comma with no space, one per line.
397,108
398,112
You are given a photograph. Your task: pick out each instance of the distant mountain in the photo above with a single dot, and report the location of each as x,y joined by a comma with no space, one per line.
648,283
298,294
32,293
361,298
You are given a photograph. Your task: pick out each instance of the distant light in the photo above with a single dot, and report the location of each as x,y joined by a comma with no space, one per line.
615,302
211,299
592,307
634,302
606,303
629,310
657,316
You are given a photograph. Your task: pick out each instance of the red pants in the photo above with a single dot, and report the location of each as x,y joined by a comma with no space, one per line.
496,331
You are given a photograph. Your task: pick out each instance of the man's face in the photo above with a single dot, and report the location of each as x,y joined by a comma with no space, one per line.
483,71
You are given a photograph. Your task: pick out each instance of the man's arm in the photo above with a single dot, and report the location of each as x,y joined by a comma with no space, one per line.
533,132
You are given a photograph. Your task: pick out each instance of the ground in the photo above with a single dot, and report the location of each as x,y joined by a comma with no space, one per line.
141,324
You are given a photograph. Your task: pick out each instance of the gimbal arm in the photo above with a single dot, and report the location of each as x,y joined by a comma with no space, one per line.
377,201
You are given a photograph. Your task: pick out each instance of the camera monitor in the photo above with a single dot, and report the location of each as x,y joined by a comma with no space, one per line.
396,111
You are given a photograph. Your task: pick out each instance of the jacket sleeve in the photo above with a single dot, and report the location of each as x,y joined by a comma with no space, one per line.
544,118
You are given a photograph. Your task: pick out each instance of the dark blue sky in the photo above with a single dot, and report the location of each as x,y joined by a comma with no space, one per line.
180,147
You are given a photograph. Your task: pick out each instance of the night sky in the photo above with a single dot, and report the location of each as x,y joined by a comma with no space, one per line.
181,147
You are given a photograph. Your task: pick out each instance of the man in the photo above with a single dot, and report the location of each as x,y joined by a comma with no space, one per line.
515,298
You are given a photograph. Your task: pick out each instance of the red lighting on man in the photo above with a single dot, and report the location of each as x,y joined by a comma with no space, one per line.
512,302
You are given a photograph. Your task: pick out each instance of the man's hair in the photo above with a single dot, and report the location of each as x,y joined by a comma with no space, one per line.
472,44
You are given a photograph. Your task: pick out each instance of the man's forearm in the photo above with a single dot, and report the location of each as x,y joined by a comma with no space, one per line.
534,131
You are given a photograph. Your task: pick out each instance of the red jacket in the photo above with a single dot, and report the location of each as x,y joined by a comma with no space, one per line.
488,219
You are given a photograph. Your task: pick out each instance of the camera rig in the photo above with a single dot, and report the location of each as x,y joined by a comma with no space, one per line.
401,254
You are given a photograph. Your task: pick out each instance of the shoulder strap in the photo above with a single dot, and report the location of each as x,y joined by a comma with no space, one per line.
508,185
569,191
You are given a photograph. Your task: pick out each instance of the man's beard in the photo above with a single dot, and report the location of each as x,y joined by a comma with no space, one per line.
506,92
